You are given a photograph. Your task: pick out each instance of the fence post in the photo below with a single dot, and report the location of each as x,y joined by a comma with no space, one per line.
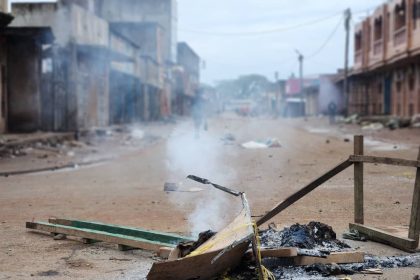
415,208
358,182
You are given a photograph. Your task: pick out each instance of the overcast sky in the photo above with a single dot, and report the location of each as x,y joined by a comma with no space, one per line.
203,23
206,25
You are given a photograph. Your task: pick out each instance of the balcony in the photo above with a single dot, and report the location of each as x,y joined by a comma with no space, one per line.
400,36
378,47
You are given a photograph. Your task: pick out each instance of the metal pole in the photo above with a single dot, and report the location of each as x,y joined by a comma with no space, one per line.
301,58
347,15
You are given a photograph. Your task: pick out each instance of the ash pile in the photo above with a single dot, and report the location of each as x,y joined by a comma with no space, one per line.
313,237
316,241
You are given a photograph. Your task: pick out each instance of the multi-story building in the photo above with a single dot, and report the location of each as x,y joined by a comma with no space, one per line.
151,24
187,77
386,73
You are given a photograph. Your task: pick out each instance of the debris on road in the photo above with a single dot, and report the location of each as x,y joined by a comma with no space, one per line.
262,144
174,187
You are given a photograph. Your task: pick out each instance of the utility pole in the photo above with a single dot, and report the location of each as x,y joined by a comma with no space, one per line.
301,58
347,20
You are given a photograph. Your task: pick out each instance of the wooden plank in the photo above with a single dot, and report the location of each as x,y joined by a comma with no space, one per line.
164,252
163,237
304,191
100,236
199,266
339,258
358,182
414,229
275,253
374,234
385,160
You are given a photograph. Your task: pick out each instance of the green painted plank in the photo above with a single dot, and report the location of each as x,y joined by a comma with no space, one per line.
99,235
151,235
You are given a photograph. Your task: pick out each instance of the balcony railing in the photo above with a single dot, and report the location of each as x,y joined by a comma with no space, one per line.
400,36
378,46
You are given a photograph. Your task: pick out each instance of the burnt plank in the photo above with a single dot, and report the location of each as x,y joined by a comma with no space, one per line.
414,229
374,234
358,182
384,160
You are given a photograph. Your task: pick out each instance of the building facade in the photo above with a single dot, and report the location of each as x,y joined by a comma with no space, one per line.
187,76
386,74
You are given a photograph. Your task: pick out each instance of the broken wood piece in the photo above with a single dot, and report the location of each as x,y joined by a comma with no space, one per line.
338,258
275,253
164,252
384,160
376,271
304,191
207,182
374,234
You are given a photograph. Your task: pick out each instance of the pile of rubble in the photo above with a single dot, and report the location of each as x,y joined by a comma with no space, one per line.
381,122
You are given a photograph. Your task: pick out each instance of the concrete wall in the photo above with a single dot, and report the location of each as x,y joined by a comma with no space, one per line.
163,12
70,23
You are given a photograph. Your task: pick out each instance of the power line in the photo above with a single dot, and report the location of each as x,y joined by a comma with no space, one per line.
261,32
329,38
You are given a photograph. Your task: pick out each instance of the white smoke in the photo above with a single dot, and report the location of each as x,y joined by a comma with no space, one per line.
188,155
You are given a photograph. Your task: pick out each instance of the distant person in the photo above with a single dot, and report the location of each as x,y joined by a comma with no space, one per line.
198,113
332,111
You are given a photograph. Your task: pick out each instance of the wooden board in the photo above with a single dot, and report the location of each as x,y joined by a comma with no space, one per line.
358,182
339,258
374,234
275,253
163,237
198,267
119,239
384,160
304,191
415,208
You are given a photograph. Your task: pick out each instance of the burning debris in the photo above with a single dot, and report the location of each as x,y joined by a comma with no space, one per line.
314,235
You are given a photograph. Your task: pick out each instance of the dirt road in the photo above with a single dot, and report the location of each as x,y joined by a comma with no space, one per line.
128,190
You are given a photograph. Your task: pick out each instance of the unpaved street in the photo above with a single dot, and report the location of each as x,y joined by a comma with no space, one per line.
128,190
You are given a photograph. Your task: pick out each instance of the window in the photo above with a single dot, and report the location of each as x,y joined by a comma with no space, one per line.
378,29
411,109
416,12
358,41
3,91
400,16
399,86
411,82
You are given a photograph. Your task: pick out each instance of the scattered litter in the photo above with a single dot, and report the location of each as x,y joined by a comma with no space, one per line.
415,121
265,144
174,187
373,126
228,139
354,235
